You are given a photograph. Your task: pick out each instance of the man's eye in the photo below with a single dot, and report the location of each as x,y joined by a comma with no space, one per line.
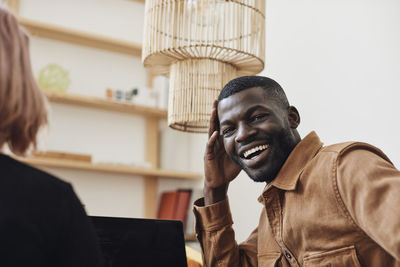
227,131
259,117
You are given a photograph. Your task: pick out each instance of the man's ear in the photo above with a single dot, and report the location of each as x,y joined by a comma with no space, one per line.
293,117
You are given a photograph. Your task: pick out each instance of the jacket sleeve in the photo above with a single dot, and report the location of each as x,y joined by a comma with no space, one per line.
369,189
217,238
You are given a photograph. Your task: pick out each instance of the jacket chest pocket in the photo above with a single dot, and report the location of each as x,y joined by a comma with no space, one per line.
269,260
334,258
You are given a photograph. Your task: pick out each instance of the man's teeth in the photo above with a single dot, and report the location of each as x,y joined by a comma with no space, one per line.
254,150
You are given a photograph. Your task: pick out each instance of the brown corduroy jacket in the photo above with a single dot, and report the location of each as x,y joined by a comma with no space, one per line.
329,206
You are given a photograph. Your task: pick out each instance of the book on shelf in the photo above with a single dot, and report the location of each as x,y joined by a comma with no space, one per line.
166,208
174,205
182,206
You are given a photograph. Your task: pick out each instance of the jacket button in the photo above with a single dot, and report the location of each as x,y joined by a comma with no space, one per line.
287,254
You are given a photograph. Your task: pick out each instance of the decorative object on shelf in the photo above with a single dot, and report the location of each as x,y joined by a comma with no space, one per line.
118,95
121,95
201,45
141,96
54,77
130,94
109,93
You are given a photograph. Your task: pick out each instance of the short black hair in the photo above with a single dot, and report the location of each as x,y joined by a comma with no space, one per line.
270,87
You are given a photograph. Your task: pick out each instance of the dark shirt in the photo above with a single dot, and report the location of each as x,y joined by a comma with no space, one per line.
42,222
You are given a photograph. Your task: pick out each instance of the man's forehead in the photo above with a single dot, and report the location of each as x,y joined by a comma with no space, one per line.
246,98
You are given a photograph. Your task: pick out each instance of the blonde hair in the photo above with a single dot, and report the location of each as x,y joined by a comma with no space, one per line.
22,103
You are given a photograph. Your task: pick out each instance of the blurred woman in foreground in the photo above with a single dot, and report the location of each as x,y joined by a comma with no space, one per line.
42,222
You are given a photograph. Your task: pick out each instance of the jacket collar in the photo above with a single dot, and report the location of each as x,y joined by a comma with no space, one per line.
290,172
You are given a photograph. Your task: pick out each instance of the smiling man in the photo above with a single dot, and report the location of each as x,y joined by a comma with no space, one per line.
323,206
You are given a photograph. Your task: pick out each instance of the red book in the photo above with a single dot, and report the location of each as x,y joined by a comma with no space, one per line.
182,206
166,208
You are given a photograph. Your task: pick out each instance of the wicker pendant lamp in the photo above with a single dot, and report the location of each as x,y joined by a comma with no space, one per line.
201,45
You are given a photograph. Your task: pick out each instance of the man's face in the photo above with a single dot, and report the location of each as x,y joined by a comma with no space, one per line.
256,133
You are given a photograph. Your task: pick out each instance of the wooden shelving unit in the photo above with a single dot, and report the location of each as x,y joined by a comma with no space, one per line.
80,38
151,175
110,168
105,104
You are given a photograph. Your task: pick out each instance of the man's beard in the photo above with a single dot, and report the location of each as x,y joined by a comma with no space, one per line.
280,146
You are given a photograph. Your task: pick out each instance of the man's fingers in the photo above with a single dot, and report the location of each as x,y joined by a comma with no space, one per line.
211,128
211,142
213,120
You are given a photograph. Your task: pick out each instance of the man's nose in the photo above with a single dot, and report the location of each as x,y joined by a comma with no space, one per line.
244,132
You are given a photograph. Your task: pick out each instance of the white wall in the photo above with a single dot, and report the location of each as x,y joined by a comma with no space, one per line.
121,19
339,63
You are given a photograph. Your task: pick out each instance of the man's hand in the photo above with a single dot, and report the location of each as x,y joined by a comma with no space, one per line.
219,169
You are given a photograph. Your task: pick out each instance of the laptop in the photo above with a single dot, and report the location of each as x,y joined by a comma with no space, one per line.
128,242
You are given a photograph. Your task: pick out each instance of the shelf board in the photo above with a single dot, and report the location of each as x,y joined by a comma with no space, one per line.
110,168
100,103
80,38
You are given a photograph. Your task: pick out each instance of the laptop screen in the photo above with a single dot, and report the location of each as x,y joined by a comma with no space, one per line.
140,242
